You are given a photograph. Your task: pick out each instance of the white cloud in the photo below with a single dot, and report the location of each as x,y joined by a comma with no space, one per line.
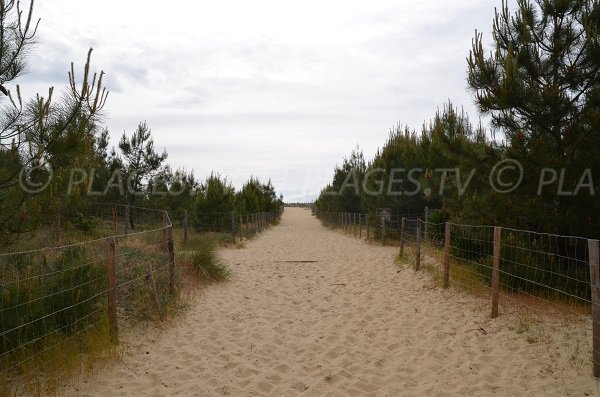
286,88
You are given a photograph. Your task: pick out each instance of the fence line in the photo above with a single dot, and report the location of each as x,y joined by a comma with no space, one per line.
237,225
540,271
371,226
52,298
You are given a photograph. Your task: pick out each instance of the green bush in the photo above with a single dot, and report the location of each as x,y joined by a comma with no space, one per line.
85,223
205,260
438,216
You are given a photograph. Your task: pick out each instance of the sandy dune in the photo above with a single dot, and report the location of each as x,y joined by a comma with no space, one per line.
350,324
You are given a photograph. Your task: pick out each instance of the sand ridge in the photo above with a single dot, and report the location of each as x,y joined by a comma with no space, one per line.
353,323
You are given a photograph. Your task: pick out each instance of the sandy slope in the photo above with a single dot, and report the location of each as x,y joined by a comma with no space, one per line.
285,329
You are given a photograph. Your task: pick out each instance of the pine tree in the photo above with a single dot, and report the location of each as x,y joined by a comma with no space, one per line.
33,131
141,162
541,87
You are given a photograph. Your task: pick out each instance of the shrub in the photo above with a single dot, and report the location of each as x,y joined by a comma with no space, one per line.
85,223
205,261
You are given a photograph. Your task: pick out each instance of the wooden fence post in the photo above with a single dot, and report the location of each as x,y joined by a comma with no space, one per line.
171,259
348,217
425,225
496,270
233,227
383,231
359,225
126,228
447,256
155,291
402,222
114,220
164,230
185,226
58,225
111,272
595,286
418,248
241,228
367,224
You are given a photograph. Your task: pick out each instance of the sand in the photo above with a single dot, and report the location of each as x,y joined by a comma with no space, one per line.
354,323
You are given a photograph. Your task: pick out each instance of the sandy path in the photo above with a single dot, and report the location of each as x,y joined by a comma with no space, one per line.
285,329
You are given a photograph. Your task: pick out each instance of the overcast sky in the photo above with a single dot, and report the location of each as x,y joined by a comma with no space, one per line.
275,89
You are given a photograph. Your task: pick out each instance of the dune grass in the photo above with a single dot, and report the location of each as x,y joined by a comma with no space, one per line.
205,259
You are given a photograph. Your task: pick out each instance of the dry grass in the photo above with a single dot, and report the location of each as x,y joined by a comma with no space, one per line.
61,359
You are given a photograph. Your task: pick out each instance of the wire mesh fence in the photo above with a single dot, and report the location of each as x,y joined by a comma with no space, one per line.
370,226
56,300
232,226
98,220
53,299
516,269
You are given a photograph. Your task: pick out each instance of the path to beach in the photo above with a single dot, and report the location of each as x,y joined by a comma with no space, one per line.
352,323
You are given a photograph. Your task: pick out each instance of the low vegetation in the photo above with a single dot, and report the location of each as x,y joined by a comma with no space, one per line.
205,259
